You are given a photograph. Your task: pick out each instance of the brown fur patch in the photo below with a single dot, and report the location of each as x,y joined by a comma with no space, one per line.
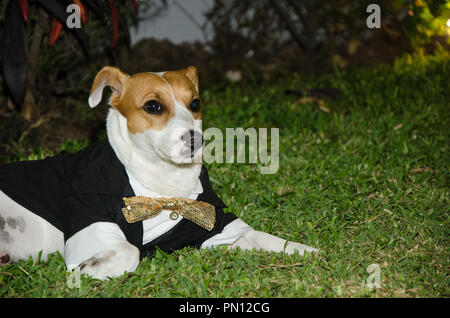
139,89
183,89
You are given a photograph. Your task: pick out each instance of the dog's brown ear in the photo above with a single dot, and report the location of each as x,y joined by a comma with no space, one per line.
108,76
191,73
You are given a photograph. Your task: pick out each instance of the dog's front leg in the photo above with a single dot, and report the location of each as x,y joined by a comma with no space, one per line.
112,262
270,243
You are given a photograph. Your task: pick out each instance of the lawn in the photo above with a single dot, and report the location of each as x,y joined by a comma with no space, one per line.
364,177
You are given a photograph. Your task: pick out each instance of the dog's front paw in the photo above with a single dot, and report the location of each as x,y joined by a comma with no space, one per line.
292,247
112,263
267,242
95,266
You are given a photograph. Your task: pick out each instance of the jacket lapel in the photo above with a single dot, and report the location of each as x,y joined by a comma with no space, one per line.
101,182
208,195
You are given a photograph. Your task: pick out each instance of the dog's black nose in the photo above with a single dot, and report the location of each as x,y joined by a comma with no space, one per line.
193,139
192,133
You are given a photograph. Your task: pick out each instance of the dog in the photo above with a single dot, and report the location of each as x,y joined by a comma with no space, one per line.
73,203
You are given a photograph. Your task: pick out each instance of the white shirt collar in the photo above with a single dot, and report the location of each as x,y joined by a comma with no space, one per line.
140,190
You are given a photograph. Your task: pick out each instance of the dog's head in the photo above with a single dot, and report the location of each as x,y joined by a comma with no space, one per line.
162,110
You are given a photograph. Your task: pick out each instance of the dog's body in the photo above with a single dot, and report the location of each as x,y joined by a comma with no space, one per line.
152,150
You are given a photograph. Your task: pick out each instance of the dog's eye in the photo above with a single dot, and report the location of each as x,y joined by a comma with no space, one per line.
195,105
153,107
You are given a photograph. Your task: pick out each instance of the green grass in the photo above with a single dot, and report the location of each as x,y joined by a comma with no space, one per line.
367,182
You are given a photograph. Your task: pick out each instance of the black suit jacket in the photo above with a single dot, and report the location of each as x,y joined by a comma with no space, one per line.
73,191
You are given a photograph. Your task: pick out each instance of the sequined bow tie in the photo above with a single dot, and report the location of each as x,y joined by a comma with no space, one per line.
140,208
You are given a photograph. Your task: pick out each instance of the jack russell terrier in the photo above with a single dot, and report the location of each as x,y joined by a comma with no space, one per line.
77,203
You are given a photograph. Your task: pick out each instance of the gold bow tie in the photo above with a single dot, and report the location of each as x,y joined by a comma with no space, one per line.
142,208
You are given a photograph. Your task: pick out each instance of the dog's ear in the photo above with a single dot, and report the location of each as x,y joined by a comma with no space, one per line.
108,76
191,73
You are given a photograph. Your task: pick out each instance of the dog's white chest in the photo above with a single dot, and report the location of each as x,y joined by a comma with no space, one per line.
166,220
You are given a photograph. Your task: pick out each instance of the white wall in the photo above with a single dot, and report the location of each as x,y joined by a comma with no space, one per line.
174,24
